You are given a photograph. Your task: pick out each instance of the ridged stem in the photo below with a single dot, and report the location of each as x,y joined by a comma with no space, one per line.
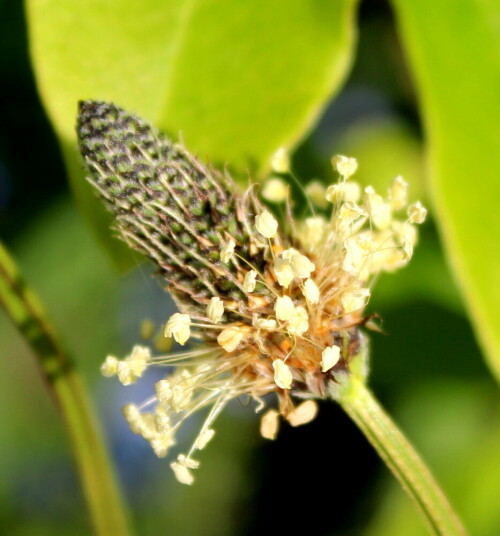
66,387
398,454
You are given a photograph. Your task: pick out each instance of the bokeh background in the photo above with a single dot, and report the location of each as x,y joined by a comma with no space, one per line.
321,479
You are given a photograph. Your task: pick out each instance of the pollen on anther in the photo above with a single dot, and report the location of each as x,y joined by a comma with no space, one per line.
311,291
266,224
249,283
417,213
303,413
329,358
269,424
215,309
230,338
345,165
227,251
284,308
178,327
282,374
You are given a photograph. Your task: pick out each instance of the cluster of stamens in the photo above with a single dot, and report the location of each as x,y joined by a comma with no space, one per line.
299,321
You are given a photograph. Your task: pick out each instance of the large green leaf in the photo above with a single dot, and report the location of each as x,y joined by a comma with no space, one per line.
454,52
237,79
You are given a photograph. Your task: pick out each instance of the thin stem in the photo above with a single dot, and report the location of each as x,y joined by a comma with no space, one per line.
399,455
66,387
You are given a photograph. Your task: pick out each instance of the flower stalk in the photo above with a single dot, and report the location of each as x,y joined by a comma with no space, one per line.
66,387
352,393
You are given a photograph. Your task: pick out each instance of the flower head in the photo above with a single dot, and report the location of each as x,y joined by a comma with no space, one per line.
278,309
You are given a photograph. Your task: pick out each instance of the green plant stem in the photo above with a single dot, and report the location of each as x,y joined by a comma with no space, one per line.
399,455
66,387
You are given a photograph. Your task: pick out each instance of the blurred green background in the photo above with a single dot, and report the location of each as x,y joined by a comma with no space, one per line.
322,479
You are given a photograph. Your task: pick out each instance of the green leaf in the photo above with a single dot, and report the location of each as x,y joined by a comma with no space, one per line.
454,52
237,79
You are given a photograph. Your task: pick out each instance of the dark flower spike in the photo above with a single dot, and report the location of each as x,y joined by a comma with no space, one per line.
168,205
278,312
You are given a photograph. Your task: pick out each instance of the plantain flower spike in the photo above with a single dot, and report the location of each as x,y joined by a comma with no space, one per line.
278,308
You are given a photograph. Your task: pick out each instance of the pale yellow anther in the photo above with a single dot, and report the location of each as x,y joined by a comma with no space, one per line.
275,190
188,462
350,212
407,249
284,272
417,213
398,193
227,251
268,324
161,443
181,396
303,413
178,327
355,299
355,256
133,417
312,231
282,374
329,358
343,191
147,426
163,424
230,338
203,438
395,259
269,424
140,353
163,389
280,161
315,191
250,282
302,267
378,209
215,309
130,369
182,473
345,165
300,264
284,308
382,217
311,291
405,232
110,366
287,254
298,324
182,382
266,224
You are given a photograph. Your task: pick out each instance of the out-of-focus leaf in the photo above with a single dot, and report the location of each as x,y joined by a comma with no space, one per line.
454,52
238,79
63,262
